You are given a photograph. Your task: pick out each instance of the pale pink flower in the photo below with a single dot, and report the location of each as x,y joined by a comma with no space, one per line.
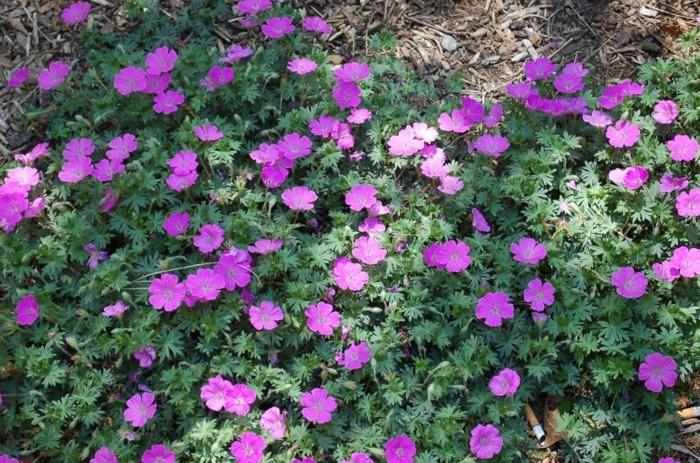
434,166
479,221
450,185
115,310
318,405
22,178
361,196
53,75
302,66
683,148
239,398
265,316
273,422
405,143
665,112
349,275
322,319
299,198
598,119
372,225
368,250
688,203
359,116
38,151
265,246
75,170
624,134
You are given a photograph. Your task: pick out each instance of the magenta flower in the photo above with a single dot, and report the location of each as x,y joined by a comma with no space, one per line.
520,90
355,356
361,196
669,183
22,178
598,119
299,198
266,154
657,371
434,166
215,393
273,422
368,250
318,405
168,102
635,177
239,396
629,284
166,292
18,77
265,316
405,143
217,76
158,453
668,459
686,261
129,80
53,75
278,27
665,112
505,383
568,83
156,83
252,7
235,53
294,146
347,95
316,24
75,13
39,151
486,441
450,185
27,310
205,284
273,176
248,448
209,239
265,247
161,60
494,116
76,170
208,133
479,221
539,69
624,134
302,66
352,72
358,457
176,223
8,459
95,255
528,251
453,256
400,449
538,294
104,455
235,266
146,356
115,310
683,148
372,225
321,318
183,162
78,148
140,408
349,275
106,169
109,200
688,203
493,308
323,126
121,147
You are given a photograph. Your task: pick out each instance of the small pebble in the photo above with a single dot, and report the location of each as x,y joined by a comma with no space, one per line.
449,44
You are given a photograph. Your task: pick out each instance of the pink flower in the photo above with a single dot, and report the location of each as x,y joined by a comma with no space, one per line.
181,182
358,457
302,66
450,185
539,69
669,459
528,251
486,441
168,102
27,310
235,53
683,148
598,119
78,148
235,267
355,356
75,13
183,162
539,295
215,393
121,147
129,80
665,112
145,355
624,134
35,208
176,223
266,154
657,371
140,408
520,90
39,151
347,95
161,60
318,405
239,396
352,72
479,221
361,196
294,146
629,284
368,250
372,225
349,275
273,421
323,126
453,256
494,117
252,7
106,169
265,246
217,76
104,455
359,116
208,133
158,453
7,459
265,316
686,261
166,292
665,271
22,178
434,166
688,204
273,177
205,284
322,319
493,308
115,310
316,24
505,383
635,177
491,145
278,27
75,170
568,83
299,198
53,75
156,83
669,183
248,448
18,77
209,238
400,449
109,200
405,143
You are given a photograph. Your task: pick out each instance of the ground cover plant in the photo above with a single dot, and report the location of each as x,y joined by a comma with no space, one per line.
258,256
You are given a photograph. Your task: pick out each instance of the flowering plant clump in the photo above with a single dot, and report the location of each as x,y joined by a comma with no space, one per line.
247,253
